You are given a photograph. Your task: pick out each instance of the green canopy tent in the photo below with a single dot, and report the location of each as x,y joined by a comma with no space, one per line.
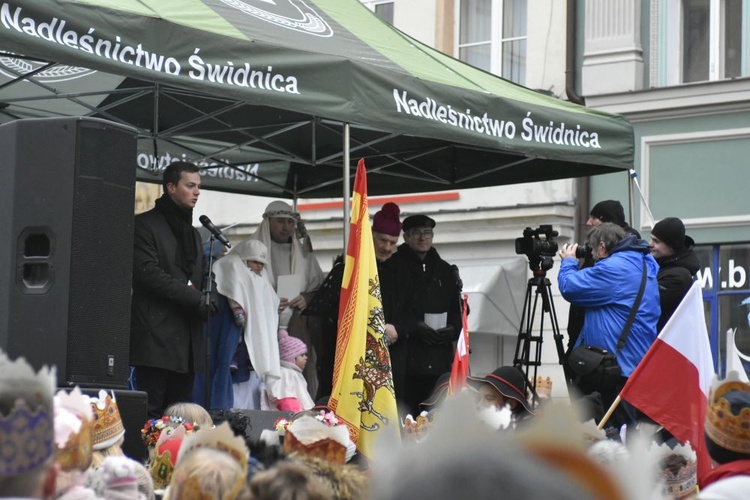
271,98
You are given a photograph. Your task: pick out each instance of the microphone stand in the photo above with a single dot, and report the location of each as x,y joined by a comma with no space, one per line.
207,288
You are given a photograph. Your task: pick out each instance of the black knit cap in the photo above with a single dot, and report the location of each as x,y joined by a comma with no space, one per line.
418,220
671,231
609,211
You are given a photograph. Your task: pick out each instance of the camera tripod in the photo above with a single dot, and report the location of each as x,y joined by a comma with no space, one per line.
539,284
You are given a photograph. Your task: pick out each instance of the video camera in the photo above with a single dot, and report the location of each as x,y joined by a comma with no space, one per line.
532,245
538,250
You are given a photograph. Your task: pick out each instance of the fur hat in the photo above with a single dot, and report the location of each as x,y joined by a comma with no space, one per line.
279,209
290,347
386,220
108,428
671,231
418,220
508,381
254,250
116,477
609,211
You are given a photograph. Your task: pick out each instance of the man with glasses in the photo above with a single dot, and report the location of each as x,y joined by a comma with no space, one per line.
435,300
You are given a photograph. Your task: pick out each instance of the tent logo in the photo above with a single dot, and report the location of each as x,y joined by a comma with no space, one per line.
294,15
53,74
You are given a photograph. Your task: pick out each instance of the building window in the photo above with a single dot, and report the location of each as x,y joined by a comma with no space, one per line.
707,40
492,36
383,9
724,275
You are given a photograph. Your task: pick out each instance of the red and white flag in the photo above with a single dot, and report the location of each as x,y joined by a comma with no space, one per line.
460,367
671,383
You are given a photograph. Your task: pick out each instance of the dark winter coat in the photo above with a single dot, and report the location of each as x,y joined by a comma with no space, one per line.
165,323
434,290
676,274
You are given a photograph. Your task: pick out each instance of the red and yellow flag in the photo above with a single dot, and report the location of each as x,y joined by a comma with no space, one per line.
460,367
363,394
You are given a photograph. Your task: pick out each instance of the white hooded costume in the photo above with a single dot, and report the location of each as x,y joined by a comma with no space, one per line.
256,296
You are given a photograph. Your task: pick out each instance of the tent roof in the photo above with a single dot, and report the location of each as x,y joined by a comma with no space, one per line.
259,91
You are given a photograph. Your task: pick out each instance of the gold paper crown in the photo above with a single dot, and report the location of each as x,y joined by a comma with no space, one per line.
543,387
417,429
73,430
727,430
108,428
219,438
684,482
26,431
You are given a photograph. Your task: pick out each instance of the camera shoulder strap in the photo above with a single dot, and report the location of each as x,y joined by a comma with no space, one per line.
629,323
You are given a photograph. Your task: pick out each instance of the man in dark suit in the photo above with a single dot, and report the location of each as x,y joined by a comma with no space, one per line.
167,304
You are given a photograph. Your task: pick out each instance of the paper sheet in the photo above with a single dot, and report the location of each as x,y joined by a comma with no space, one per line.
436,320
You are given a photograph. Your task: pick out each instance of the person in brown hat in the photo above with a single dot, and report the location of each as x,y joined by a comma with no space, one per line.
673,251
504,386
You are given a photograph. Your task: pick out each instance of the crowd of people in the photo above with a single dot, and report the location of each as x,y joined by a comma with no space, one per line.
268,316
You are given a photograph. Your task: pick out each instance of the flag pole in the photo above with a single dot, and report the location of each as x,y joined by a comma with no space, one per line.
609,413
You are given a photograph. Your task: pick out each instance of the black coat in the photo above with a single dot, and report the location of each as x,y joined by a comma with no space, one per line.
675,278
165,323
434,290
395,291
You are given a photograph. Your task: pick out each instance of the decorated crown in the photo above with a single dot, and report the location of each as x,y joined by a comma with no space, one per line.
108,428
219,438
309,436
679,469
728,418
152,429
73,430
167,449
26,430
417,429
543,387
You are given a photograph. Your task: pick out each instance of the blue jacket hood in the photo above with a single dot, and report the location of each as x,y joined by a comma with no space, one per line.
631,242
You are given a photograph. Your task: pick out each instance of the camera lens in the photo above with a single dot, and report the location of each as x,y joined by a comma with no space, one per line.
583,251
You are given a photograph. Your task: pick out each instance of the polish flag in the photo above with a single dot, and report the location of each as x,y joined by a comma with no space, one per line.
460,367
671,383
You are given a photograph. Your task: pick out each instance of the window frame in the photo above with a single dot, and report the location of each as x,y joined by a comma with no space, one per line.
496,41
669,37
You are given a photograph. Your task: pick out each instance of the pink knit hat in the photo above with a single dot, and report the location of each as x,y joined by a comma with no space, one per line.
386,221
290,347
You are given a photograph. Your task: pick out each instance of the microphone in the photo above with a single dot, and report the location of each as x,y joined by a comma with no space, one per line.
214,230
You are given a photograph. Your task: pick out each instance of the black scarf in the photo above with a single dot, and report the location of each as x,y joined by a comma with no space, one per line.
180,221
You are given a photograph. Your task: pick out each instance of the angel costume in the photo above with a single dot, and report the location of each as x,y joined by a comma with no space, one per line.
256,296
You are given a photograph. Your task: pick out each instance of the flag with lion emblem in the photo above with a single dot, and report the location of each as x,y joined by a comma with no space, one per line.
363,395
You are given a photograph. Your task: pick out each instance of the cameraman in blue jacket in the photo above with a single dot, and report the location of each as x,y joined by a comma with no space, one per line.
608,291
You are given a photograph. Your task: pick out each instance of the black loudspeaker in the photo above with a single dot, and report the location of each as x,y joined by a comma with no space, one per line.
133,406
261,420
67,193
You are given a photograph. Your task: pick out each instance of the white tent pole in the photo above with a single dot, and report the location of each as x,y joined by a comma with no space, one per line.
644,204
346,193
631,202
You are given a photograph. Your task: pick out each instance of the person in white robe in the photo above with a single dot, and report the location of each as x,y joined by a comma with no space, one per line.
295,274
239,277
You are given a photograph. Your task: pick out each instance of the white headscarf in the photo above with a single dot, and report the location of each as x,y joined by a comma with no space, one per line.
302,263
